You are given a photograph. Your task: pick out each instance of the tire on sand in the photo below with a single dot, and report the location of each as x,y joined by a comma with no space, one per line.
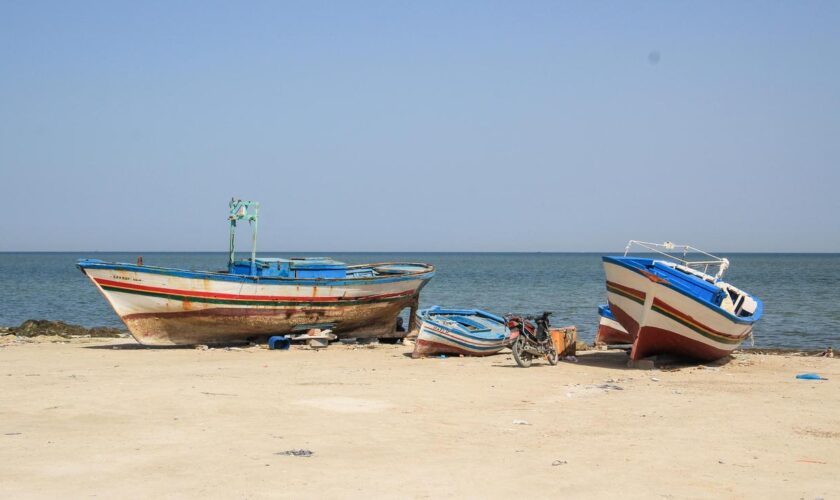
551,354
521,357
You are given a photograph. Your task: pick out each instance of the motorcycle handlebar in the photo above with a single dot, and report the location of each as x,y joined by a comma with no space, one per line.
531,317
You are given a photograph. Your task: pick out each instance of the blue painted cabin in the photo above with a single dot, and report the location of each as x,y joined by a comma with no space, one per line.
296,267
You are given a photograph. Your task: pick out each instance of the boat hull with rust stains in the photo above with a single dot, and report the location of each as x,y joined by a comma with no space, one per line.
165,306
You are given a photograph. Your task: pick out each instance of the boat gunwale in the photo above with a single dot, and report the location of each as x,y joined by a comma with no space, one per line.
424,271
461,312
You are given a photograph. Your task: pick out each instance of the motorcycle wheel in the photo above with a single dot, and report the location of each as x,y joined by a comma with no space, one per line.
551,354
521,357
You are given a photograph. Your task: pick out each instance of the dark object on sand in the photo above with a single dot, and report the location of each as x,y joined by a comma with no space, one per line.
296,453
280,342
36,327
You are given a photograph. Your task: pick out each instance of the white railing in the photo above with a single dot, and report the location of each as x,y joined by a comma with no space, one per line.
680,253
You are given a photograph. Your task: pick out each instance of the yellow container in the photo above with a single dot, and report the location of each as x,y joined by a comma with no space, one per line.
565,339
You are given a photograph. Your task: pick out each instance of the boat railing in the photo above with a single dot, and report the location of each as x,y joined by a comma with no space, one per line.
681,254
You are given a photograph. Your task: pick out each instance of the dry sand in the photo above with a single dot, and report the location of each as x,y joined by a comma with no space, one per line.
85,418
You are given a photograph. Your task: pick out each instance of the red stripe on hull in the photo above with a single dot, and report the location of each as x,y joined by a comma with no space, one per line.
685,317
632,291
651,341
236,296
429,348
609,335
226,312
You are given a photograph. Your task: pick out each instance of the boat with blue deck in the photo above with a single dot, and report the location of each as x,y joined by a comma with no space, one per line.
672,304
258,297
471,332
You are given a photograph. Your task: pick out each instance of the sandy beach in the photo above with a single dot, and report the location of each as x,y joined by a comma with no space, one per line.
109,419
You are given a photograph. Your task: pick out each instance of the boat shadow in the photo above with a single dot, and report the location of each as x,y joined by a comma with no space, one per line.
135,346
617,359
599,359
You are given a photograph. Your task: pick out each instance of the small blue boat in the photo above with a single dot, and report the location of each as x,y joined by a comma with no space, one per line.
471,332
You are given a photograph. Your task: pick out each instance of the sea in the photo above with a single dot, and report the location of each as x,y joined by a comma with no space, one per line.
800,291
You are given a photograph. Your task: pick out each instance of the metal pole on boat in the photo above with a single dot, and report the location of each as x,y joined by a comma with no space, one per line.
232,218
239,210
255,219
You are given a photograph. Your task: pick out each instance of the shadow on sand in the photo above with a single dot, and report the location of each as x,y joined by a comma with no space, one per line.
136,346
618,359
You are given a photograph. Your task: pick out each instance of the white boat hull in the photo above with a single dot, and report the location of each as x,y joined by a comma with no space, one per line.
660,319
169,307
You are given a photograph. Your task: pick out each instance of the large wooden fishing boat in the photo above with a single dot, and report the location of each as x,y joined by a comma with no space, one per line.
258,297
672,305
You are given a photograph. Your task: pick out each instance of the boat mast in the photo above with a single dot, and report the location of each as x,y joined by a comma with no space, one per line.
248,210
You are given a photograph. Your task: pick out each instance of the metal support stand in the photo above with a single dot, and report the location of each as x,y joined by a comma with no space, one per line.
412,316
247,210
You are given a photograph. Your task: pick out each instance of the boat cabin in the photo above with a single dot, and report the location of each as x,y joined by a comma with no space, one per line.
295,267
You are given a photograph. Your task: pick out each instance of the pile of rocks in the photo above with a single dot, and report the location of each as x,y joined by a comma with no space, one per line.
38,327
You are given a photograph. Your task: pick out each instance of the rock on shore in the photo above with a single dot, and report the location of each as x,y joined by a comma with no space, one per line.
38,327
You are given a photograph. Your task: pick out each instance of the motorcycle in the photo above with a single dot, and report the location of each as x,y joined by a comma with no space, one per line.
529,341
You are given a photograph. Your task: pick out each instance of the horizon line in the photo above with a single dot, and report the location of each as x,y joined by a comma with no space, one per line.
811,252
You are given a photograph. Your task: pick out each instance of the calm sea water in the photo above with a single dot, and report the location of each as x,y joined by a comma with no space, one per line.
800,291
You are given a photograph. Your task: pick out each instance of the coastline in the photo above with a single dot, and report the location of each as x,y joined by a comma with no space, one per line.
571,285
105,416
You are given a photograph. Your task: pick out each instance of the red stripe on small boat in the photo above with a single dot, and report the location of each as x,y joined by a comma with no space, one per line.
233,296
609,335
469,340
429,347
625,320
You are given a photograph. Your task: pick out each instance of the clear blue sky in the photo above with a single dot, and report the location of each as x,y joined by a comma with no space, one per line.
402,126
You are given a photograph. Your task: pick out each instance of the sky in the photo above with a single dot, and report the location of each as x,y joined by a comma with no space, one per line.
420,126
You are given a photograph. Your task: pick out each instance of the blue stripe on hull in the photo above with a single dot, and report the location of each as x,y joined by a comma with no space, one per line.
463,342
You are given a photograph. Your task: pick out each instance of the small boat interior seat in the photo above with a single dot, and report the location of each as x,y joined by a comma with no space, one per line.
736,301
746,307
471,325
